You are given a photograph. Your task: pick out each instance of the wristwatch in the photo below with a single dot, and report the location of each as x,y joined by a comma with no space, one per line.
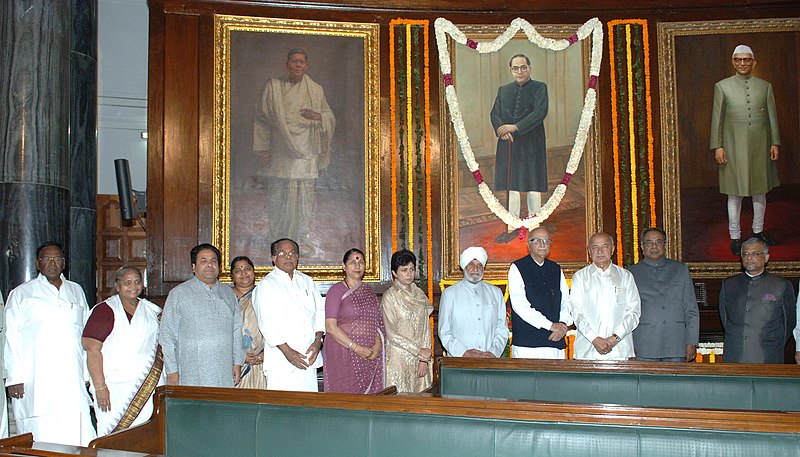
616,337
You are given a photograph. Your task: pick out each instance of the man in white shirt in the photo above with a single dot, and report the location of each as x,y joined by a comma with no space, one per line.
3,409
797,330
291,316
472,312
605,305
540,310
44,359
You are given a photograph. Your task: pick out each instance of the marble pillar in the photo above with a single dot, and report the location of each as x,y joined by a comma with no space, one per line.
36,201
83,147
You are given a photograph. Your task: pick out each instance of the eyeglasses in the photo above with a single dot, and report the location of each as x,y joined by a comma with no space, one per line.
753,254
519,69
49,258
650,243
741,60
290,254
540,241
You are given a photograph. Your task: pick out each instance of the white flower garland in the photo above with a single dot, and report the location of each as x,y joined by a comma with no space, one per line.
592,27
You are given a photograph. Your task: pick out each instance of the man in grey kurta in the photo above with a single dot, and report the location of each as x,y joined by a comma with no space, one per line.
669,325
757,310
518,117
745,140
201,327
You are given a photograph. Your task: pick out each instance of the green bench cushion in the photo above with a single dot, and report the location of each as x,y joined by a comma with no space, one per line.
203,428
625,388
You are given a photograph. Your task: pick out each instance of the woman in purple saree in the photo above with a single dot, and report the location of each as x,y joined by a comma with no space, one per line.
353,350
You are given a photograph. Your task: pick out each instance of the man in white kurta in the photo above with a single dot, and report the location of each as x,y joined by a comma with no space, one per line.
796,331
44,358
3,409
605,305
292,134
291,316
472,312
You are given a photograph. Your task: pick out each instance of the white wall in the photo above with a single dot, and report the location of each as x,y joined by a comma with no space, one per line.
122,34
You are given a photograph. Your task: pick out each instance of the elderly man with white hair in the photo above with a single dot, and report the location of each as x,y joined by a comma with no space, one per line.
745,140
472,312
540,306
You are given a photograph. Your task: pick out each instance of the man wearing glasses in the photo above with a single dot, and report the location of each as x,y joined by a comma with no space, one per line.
540,309
745,140
669,325
605,305
43,355
757,309
291,316
518,120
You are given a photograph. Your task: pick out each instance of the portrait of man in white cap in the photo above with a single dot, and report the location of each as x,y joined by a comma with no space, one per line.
745,140
472,312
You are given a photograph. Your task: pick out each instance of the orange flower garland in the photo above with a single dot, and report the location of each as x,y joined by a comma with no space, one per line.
633,184
407,24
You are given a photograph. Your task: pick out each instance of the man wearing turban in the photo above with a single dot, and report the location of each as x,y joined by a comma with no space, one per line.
745,140
540,307
472,312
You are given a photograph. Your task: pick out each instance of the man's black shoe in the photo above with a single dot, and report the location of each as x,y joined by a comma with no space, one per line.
505,237
761,236
736,247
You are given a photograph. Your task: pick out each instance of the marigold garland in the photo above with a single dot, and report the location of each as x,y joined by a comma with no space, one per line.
393,140
632,145
592,28
615,138
641,185
411,132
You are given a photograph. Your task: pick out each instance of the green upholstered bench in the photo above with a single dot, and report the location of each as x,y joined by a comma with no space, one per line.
725,386
196,422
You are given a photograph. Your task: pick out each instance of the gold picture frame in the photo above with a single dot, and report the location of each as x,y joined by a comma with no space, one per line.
248,51
688,150
457,179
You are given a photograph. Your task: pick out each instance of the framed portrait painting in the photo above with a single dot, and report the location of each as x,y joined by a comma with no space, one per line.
468,221
693,58
296,141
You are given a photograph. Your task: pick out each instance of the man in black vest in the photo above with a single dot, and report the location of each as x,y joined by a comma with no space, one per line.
540,311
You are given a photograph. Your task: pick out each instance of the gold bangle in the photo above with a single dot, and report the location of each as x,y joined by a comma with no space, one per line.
101,388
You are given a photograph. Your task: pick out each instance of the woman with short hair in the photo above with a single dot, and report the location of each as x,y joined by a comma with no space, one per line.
406,311
123,355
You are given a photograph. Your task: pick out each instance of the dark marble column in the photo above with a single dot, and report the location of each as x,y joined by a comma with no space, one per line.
83,147
35,172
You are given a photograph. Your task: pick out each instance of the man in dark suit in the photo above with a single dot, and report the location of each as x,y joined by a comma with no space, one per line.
518,120
757,309
669,326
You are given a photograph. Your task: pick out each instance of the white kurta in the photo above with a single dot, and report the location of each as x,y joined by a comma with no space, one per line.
128,355
604,303
44,353
3,408
291,311
473,316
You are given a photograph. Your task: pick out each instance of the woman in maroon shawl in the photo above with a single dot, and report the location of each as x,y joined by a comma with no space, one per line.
353,350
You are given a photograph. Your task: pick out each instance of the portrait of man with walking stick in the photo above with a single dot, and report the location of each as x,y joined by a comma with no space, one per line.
520,160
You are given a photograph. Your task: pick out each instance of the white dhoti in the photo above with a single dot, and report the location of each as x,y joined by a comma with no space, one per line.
294,380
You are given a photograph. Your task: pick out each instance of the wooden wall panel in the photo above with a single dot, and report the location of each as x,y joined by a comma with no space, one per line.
181,159
118,245
180,105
